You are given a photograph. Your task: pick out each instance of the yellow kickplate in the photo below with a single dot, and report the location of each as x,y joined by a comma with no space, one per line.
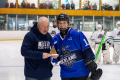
11,39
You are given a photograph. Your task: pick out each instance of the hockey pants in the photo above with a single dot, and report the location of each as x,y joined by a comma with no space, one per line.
116,52
106,54
92,44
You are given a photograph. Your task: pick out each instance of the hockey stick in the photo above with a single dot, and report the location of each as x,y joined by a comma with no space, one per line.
100,45
98,50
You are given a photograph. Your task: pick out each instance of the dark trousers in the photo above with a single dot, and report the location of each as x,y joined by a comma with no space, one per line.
77,78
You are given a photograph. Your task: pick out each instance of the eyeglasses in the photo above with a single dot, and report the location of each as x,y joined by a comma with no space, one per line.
45,27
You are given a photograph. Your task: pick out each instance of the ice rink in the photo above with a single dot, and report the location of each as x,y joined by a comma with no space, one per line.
12,64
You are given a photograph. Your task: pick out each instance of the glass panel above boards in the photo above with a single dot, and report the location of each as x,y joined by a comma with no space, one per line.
49,4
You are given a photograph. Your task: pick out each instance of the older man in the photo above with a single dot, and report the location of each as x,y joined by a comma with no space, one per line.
35,49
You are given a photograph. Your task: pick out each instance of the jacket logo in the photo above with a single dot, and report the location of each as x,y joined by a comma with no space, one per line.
44,45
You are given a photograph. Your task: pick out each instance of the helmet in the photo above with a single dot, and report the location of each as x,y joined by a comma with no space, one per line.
54,25
98,26
54,20
117,23
72,23
63,17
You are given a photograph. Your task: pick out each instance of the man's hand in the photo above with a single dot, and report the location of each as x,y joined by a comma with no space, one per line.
55,56
46,55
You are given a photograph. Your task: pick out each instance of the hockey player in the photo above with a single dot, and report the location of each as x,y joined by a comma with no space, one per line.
97,37
53,30
115,37
75,54
71,25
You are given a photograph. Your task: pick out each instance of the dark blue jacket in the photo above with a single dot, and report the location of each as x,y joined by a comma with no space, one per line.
33,46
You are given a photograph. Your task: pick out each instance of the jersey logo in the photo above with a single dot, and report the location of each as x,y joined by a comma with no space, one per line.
118,33
53,33
77,30
100,36
70,38
67,58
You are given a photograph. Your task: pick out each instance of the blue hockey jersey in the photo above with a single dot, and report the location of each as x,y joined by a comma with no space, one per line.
72,50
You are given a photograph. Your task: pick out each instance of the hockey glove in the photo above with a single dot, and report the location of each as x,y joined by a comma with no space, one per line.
91,65
96,75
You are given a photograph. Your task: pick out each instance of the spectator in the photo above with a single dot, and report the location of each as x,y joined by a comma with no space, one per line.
117,7
35,49
106,6
68,6
103,6
86,3
72,5
95,7
23,4
82,7
91,7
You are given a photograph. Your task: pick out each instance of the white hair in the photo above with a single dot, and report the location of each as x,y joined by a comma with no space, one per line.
42,19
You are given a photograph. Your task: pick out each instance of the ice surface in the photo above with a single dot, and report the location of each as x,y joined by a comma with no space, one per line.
12,64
